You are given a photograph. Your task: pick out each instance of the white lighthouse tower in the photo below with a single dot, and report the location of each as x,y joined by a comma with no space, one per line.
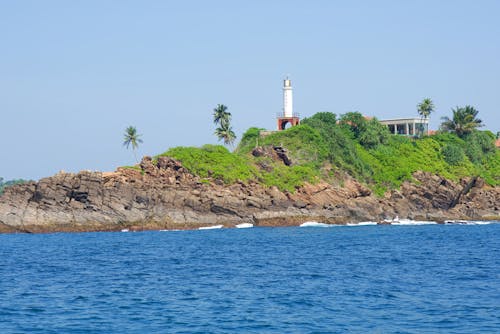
287,98
287,116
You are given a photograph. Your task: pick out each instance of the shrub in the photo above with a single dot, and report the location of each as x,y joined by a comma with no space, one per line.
304,144
341,149
214,161
374,134
490,169
479,144
249,140
290,178
354,122
453,154
364,149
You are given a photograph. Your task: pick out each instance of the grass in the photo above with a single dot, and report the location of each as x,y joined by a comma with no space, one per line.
214,161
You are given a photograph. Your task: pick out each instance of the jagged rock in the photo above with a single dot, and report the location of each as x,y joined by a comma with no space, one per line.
258,152
276,153
281,152
169,163
165,195
147,165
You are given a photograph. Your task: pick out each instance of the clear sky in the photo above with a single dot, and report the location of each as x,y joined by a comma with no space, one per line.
75,74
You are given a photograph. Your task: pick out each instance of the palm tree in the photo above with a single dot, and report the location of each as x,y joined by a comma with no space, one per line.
132,138
221,115
425,108
464,121
225,132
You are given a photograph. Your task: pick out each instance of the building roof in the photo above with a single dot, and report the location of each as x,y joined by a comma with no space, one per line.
404,120
497,143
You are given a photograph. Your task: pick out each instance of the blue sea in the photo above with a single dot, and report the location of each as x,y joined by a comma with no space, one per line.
364,279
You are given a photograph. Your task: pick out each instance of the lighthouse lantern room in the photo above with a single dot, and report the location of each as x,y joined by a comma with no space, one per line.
287,116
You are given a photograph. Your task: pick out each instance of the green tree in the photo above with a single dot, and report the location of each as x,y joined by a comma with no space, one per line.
249,140
225,132
223,118
325,117
221,115
355,122
374,134
463,122
340,148
132,138
424,109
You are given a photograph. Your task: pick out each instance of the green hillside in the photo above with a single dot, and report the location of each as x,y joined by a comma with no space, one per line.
323,147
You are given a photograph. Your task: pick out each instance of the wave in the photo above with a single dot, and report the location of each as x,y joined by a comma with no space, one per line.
469,222
315,224
412,222
362,224
210,227
244,225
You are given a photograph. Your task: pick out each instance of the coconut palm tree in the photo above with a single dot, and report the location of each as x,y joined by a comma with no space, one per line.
464,121
221,115
223,118
425,108
225,132
132,138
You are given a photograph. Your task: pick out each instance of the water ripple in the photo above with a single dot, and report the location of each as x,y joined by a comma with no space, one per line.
412,279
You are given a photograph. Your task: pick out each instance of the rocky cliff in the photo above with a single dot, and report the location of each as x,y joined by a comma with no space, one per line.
164,195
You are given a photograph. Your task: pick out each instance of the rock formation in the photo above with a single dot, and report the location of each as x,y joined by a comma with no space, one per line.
162,194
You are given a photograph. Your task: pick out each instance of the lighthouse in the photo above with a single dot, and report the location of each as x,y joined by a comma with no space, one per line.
287,98
287,116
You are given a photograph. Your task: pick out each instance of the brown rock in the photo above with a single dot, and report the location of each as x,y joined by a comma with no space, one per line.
165,195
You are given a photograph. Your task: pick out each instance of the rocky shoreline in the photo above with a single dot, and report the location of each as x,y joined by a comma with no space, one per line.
164,195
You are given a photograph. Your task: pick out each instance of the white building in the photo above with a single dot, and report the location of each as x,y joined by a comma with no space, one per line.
407,126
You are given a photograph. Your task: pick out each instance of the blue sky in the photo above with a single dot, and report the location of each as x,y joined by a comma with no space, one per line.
75,74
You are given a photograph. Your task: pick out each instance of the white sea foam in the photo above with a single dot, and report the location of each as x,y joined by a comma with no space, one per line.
210,227
479,222
468,222
314,224
125,230
362,224
244,225
412,222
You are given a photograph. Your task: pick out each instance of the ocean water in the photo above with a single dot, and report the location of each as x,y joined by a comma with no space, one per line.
364,279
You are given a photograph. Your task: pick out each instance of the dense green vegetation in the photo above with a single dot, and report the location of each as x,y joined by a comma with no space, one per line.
324,147
214,161
5,184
